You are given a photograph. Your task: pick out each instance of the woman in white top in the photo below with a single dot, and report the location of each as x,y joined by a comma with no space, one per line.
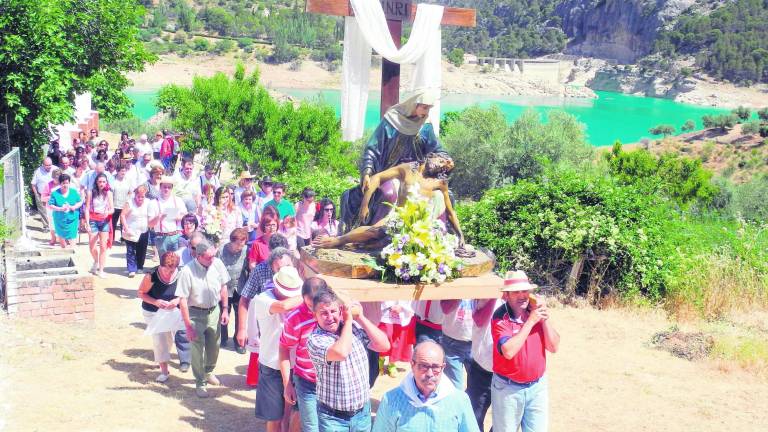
137,216
251,215
231,217
170,209
325,223
98,216
120,188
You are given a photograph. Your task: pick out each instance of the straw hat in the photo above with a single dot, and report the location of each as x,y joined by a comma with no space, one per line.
244,175
288,282
167,180
517,281
154,164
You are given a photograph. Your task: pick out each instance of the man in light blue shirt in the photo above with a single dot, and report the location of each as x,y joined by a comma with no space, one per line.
424,402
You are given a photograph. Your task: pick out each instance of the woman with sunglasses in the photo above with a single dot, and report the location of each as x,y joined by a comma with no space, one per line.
325,223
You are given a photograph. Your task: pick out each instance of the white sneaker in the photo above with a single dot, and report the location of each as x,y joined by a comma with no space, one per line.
102,275
162,378
94,268
213,380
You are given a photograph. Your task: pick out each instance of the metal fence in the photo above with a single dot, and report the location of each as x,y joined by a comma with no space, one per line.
12,197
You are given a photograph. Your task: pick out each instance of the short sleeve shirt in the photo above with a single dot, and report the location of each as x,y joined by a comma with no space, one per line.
299,324
202,286
270,328
257,280
530,362
341,385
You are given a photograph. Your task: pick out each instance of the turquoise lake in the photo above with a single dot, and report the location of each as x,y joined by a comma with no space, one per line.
610,117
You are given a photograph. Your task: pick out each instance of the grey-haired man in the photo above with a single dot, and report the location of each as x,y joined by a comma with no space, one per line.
201,286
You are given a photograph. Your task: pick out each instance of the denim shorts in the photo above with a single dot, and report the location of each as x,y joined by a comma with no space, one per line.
99,226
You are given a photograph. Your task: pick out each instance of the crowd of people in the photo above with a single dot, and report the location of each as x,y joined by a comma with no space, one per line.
231,249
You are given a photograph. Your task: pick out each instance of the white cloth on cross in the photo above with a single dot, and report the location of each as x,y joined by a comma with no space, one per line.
368,29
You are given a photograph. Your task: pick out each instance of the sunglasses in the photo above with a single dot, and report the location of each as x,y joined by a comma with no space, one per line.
328,209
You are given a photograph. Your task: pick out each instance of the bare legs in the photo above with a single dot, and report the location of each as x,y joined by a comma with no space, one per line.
97,243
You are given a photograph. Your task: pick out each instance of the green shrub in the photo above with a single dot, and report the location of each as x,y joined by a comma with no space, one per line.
324,184
456,57
545,225
245,42
223,46
283,53
200,44
750,128
180,37
742,113
490,153
681,179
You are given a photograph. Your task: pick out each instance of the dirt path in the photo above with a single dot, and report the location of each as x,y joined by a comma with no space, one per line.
100,376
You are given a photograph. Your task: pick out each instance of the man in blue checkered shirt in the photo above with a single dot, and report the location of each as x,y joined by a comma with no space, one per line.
337,348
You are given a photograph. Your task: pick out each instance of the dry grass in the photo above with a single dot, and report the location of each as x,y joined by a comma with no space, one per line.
719,286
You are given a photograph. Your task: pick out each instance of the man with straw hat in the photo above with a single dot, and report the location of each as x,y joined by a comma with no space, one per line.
521,336
281,296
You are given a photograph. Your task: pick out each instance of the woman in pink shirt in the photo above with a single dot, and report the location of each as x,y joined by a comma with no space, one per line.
305,214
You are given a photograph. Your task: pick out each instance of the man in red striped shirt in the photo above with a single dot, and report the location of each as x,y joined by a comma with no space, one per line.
298,324
521,335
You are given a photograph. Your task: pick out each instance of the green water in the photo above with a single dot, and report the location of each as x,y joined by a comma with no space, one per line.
610,117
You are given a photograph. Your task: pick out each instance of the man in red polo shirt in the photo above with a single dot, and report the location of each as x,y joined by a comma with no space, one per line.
299,323
521,336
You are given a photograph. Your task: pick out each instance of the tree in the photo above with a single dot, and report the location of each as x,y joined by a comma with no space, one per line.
489,153
689,126
742,113
456,57
51,50
722,121
763,114
665,130
236,120
750,128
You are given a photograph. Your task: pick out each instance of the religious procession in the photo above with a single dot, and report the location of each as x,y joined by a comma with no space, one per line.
231,269
400,253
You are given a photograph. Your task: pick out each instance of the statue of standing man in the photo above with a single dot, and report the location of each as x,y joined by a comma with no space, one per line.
402,136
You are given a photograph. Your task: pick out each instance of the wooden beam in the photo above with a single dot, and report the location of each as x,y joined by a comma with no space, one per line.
482,287
459,17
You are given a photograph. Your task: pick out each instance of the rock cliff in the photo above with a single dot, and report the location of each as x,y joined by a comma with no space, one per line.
616,30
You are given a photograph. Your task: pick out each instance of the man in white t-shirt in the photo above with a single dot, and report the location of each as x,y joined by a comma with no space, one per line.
156,144
144,146
188,186
39,187
269,307
481,368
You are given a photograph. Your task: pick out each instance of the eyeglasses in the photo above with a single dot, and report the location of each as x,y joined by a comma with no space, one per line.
328,209
424,367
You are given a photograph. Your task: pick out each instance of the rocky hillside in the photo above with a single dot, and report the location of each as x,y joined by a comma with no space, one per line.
619,30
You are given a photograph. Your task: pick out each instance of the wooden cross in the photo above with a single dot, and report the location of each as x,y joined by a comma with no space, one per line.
395,11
